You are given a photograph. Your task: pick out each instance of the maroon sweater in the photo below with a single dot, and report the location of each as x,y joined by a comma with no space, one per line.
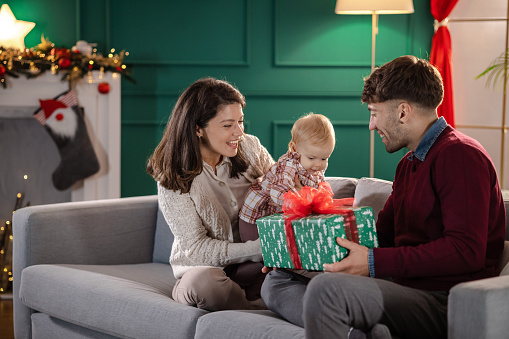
444,222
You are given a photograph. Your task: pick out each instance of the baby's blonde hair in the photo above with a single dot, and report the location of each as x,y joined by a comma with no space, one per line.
313,128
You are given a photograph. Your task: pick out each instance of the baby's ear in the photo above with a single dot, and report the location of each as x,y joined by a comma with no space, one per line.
291,146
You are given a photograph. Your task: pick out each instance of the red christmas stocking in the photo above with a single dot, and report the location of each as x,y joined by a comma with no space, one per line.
63,119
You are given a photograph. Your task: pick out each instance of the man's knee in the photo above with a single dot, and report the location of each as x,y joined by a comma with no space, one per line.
269,287
327,288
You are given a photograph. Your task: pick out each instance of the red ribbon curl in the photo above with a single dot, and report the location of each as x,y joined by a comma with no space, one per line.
319,201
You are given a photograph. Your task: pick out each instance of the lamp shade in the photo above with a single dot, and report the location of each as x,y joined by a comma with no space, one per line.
374,6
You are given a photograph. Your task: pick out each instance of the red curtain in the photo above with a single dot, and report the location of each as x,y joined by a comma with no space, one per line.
441,56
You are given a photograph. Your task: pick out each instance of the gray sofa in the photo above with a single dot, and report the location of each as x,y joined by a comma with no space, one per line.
100,269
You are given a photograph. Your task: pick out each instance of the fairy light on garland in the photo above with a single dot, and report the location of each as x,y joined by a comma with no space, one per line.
74,64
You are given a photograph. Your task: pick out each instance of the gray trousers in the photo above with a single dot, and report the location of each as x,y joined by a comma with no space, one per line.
330,304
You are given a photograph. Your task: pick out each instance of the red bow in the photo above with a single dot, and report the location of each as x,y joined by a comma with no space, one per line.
311,200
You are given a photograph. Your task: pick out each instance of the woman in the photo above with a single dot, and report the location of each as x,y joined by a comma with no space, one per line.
204,166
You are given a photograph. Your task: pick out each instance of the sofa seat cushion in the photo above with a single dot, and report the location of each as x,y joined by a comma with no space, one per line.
246,325
44,327
126,301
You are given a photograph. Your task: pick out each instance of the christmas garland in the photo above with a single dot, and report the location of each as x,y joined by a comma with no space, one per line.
74,63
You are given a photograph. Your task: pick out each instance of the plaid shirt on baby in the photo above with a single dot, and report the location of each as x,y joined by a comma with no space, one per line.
265,196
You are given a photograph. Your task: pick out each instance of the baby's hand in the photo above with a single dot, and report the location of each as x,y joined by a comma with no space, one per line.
266,269
298,185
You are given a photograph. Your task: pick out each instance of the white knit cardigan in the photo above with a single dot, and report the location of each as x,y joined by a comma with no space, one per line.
202,229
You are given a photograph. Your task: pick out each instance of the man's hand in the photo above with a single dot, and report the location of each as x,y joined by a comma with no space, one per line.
355,263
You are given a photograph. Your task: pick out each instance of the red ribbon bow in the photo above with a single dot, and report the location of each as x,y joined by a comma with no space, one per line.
311,200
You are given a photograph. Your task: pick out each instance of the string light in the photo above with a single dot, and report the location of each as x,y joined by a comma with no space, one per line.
25,176
6,276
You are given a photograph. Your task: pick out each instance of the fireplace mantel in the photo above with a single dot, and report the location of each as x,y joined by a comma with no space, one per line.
102,116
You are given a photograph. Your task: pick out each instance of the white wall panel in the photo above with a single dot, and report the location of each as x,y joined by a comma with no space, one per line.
480,9
474,45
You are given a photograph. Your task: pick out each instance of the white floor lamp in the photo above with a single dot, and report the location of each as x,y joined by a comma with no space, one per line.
374,7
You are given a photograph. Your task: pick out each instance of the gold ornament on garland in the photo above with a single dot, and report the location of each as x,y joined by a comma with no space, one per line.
74,63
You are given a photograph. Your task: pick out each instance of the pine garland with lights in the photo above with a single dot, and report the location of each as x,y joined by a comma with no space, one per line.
46,57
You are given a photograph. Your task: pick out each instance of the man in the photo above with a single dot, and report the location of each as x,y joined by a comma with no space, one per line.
443,224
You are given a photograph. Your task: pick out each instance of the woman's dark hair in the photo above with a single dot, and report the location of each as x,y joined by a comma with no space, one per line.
177,159
405,78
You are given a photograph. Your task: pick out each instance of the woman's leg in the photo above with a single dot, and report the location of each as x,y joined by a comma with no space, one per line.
209,288
247,231
249,276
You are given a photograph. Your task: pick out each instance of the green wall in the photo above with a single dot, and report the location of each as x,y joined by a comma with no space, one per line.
288,57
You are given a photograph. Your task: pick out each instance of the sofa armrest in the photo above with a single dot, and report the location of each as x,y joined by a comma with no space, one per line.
101,232
479,309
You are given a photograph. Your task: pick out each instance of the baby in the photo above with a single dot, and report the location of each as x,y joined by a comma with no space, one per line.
312,143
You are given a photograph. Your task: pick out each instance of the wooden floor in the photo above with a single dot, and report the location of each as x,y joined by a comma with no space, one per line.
6,324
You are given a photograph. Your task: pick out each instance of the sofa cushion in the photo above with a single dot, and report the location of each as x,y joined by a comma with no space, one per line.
504,261
342,187
127,301
246,325
373,192
163,240
44,327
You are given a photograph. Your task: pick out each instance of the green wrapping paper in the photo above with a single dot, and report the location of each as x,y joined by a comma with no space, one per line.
315,237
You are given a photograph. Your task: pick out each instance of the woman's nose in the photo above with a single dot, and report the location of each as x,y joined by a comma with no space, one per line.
239,130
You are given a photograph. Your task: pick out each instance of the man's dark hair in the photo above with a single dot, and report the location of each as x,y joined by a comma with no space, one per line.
405,78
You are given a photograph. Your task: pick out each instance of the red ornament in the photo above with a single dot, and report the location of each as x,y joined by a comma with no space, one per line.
103,88
90,66
119,69
61,52
64,63
2,71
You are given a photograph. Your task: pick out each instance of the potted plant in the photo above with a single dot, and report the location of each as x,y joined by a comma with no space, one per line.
497,70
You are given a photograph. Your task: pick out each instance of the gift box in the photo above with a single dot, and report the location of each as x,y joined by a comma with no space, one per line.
315,236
